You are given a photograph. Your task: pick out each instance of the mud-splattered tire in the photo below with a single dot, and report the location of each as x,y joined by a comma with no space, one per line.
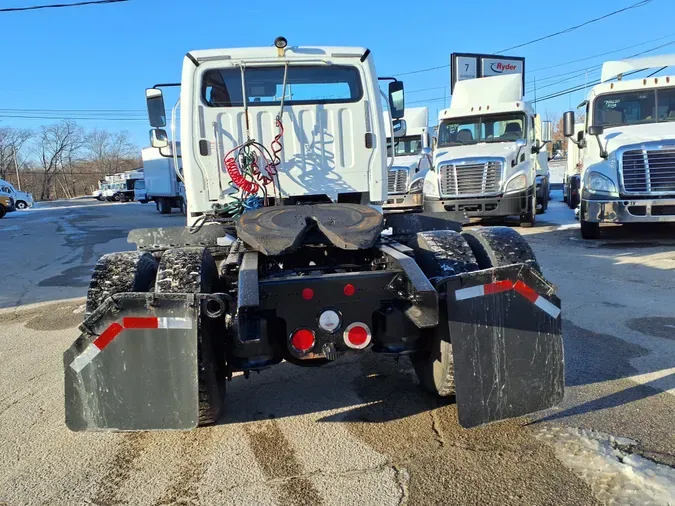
193,270
129,271
440,254
499,246
443,253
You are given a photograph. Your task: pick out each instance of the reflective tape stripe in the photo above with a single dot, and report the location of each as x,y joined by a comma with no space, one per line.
108,335
128,322
135,322
469,293
83,359
504,286
526,291
174,323
547,306
498,287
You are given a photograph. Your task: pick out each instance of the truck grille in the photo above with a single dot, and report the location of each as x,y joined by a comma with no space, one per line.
649,171
398,181
471,179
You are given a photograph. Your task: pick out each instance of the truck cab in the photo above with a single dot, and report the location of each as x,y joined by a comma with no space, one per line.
22,200
628,147
574,164
411,155
490,149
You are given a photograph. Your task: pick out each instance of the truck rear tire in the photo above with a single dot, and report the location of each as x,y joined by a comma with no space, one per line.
193,270
129,271
590,230
439,254
499,246
529,218
164,206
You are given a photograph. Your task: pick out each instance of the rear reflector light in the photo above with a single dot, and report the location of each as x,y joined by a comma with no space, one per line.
307,294
329,320
349,290
357,336
302,340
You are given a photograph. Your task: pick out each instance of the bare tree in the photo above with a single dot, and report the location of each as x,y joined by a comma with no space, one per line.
108,150
54,144
12,141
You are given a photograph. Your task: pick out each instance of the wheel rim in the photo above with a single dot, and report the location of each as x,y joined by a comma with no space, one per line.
21,205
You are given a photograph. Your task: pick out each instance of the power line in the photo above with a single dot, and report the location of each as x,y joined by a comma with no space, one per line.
641,3
58,6
637,5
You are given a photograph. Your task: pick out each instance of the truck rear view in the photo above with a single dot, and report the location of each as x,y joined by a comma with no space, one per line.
283,259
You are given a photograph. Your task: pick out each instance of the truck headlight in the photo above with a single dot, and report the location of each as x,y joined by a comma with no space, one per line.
417,186
517,183
431,189
600,183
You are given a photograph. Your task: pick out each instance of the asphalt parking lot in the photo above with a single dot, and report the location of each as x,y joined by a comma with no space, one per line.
361,430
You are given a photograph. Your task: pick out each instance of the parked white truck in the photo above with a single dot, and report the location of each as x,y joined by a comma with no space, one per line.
574,163
162,183
412,160
629,168
283,259
490,150
22,200
120,187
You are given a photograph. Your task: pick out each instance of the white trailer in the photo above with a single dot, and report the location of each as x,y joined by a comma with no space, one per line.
490,159
120,187
628,172
162,182
411,161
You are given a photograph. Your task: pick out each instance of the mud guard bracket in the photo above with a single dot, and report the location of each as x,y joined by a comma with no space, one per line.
134,367
506,334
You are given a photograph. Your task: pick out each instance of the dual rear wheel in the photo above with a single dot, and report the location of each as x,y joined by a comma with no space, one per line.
445,253
180,270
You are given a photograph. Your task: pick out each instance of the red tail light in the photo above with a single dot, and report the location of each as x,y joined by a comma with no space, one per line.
357,335
302,340
349,290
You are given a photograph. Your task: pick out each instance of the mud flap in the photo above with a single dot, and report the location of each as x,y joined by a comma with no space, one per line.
134,367
506,334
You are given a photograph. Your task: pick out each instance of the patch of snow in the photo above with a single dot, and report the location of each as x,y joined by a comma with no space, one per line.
615,474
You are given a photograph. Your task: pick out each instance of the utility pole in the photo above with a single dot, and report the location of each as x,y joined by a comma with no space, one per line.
16,166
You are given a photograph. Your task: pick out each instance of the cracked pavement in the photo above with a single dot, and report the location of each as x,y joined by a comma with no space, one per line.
359,431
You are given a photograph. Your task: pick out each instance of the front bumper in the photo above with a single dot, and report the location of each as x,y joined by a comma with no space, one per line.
500,205
628,211
405,202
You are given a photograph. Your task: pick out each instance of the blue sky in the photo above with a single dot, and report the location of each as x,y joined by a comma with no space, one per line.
103,57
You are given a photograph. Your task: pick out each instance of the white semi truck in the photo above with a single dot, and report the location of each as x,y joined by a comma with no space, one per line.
162,181
490,159
283,258
574,164
411,161
628,147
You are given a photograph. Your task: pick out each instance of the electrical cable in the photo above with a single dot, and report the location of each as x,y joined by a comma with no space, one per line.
58,6
641,3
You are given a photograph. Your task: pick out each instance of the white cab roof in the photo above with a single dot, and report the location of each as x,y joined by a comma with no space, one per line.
611,69
267,53
486,95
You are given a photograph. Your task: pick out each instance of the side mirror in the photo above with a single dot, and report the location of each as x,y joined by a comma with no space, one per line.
546,131
595,130
521,143
568,124
156,110
158,138
399,128
396,99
